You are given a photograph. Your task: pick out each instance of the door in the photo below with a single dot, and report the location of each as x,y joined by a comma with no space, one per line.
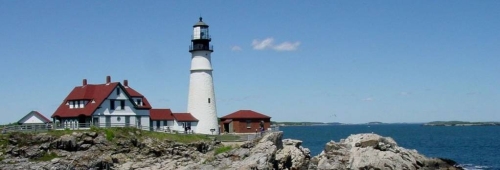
138,120
226,127
127,121
96,121
231,127
108,121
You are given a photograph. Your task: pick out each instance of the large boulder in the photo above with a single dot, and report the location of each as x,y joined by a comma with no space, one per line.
372,151
66,142
292,155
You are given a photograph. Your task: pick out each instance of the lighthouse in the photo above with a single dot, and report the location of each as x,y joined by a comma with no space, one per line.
201,98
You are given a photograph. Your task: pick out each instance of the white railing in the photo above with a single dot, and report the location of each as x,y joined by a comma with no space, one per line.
84,126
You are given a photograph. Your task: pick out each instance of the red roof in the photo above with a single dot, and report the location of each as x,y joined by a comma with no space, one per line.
184,117
132,93
93,92
245,114
161,114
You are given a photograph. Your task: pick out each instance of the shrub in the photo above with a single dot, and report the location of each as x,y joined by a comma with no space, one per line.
110,135
94,128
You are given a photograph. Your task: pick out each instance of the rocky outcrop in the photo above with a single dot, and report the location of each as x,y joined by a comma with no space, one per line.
371,151
91,150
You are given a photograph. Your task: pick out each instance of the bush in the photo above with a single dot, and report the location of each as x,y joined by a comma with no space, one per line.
110,135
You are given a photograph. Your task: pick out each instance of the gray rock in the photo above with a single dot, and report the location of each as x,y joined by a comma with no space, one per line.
90,150
91,134
88,140
84,147
66,142
55,160
77,134
371,151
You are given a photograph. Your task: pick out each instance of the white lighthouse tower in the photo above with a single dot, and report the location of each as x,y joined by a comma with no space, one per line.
201,99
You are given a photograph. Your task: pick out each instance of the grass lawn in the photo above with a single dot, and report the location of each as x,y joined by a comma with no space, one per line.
127,132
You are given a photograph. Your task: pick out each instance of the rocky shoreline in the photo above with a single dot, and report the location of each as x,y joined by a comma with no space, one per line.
91,150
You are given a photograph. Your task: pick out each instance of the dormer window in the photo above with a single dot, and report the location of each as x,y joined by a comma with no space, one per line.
138,102
75,104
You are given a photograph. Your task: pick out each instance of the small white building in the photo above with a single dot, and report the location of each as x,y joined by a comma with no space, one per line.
34,120
165,120
162,120
103,105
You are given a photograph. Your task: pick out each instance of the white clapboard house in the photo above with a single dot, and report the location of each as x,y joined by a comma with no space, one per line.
115,104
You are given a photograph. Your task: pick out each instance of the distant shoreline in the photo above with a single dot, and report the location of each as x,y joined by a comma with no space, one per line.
461,123
434,123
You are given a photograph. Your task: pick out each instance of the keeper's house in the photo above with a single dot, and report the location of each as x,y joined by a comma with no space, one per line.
116,104
103,105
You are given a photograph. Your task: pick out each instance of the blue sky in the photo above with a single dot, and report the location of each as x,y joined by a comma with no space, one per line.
342,61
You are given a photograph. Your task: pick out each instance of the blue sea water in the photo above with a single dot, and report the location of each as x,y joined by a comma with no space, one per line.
473,147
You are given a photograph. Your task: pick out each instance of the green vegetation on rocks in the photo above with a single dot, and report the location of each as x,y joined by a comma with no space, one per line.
228,137
222,149
109,134
47,157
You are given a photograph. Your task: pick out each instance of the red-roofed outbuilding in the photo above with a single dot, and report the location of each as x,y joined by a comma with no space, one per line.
244,121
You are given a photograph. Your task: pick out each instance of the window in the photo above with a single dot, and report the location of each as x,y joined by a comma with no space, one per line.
208,100
117,91
139,102
78,104
249,124
122,104
112,104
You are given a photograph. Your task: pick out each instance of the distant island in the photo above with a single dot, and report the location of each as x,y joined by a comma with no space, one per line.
374,123
433,123
305,123
461,123
331,123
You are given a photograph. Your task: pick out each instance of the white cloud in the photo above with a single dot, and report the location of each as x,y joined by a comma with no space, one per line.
404,93
368,99
268,43
236,48
287,46
261,45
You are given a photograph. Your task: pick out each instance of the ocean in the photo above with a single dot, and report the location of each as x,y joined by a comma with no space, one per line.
473,147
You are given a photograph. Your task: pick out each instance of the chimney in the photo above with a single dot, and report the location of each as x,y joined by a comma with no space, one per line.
125,83
84,83
108,79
